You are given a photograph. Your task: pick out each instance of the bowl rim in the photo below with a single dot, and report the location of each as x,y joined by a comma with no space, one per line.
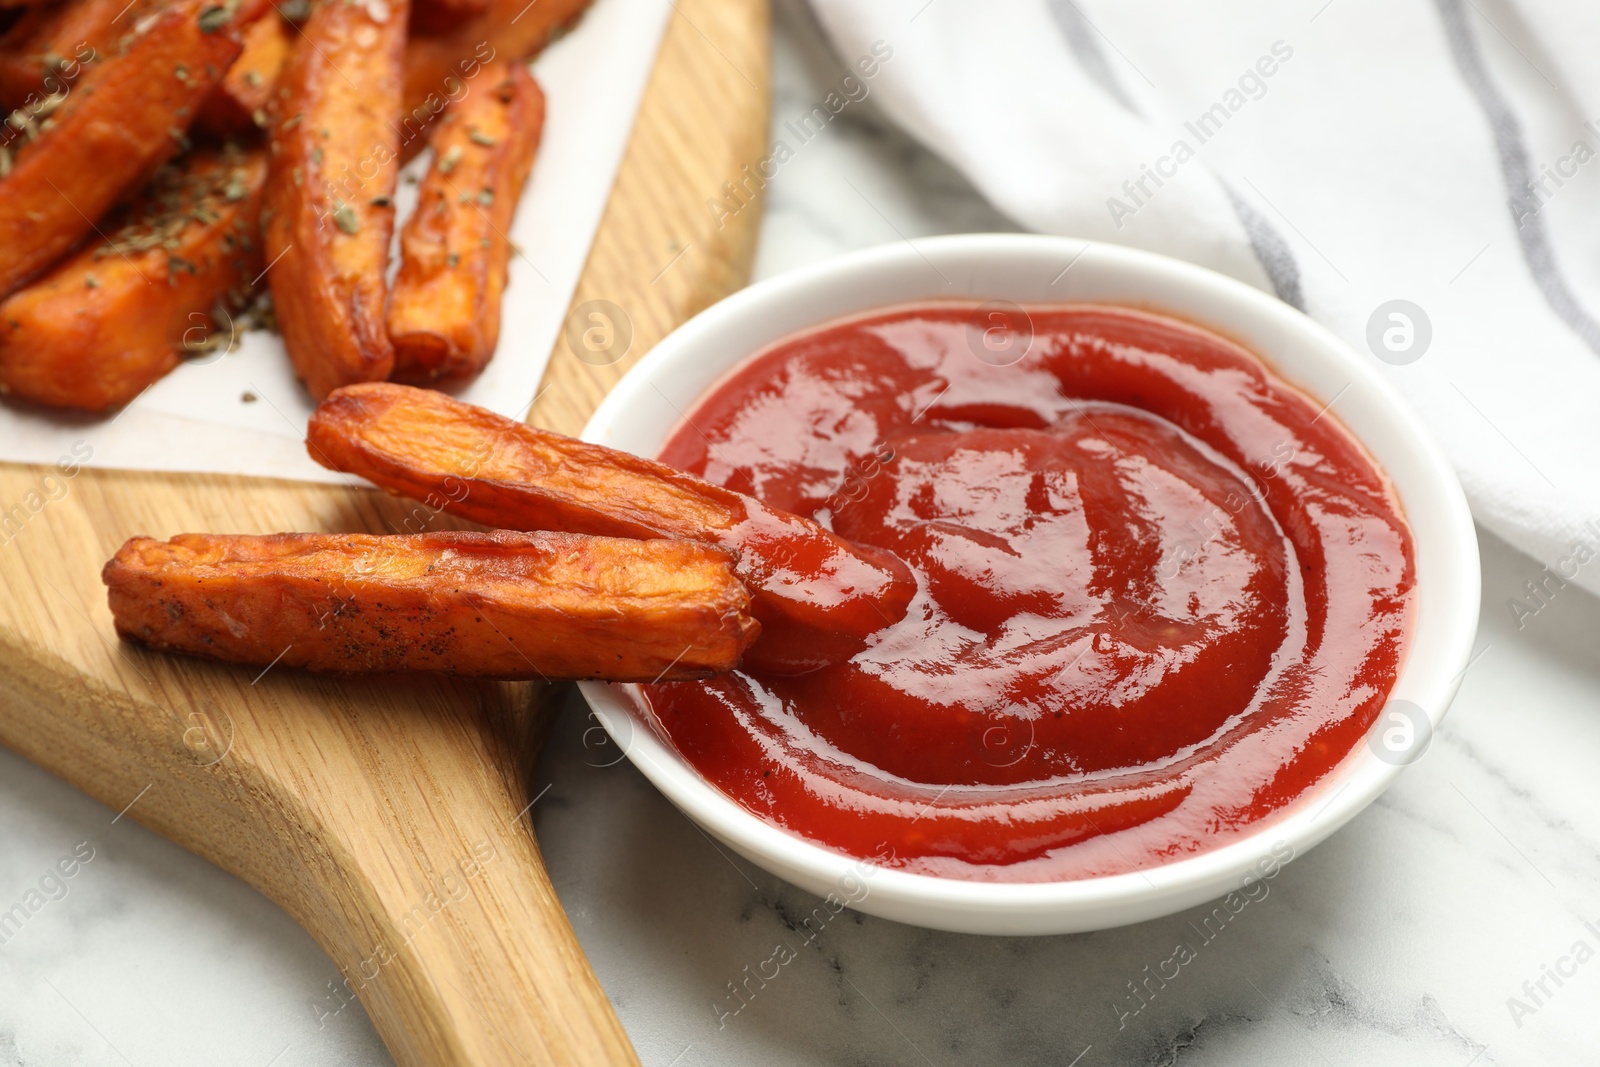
1108,900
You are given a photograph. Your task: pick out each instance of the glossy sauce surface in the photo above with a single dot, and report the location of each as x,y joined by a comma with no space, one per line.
1160,592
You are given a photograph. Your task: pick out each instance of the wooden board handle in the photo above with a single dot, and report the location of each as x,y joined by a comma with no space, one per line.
385,817
436,907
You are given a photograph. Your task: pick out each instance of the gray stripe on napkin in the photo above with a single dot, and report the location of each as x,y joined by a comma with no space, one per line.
1085,44
1516,172
1269,246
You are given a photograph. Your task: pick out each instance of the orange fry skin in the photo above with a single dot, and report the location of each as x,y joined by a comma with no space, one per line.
241,101
48,46
444,309
120,313
818,597
493,605
123,117
330,192
441,68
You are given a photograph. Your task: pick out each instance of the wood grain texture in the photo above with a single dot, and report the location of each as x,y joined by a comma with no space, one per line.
662,254
388,817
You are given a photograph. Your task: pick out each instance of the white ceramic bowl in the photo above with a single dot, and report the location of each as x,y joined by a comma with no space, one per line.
651,399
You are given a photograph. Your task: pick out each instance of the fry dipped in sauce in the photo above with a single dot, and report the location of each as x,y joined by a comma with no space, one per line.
818,597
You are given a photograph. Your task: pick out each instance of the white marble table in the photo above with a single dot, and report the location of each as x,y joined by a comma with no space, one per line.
1400,940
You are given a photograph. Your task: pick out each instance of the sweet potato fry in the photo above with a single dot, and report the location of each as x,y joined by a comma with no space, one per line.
49,45
119,313
123,118
441,16
330,207
441,69
496,605
818,596
444,311
240,103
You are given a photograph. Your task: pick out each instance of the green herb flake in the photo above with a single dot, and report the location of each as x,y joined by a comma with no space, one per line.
91,282
380,201
344,217
448,161
175,265
486,196
452,260
214,18
478,137
252,78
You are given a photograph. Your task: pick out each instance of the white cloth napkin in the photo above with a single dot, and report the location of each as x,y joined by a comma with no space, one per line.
1344,154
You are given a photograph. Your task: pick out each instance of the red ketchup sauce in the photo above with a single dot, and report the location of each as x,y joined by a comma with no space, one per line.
1161,593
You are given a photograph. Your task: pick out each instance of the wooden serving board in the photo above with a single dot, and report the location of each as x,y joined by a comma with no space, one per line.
364,807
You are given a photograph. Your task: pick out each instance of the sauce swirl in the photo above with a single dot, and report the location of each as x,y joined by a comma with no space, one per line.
1160,593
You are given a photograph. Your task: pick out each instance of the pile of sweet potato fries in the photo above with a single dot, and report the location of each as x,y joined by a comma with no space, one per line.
604,565
162,159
